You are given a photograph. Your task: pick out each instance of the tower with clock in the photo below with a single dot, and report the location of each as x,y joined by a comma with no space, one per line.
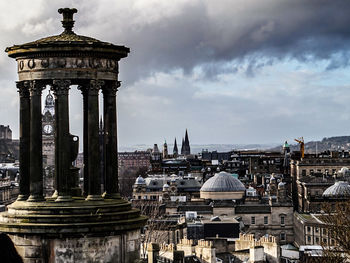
48,122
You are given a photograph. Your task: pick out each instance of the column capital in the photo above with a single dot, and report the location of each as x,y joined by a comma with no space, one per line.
111,88
23,88
60,86
35,87
95,86
91,87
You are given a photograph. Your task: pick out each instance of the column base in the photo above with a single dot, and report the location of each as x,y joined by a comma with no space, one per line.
22,198
64,198
111,195
35,198
94,198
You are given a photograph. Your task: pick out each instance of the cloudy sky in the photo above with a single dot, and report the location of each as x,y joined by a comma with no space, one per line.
235,71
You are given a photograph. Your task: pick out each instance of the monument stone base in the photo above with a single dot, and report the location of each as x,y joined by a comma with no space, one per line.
78,231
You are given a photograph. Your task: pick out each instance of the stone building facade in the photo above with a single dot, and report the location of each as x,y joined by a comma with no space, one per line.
165,188
312,175
5,132
136,159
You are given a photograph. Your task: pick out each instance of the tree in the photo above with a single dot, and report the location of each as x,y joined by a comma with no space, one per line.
127,177
157,227
336,218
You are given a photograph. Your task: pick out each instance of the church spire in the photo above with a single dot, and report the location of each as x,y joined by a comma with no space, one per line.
187,142
182,146
175,150
186,145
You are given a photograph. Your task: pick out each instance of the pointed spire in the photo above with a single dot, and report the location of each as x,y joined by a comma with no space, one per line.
182,146
187,142
175,150
187,148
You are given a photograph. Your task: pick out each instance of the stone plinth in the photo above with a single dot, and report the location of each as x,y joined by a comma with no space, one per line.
78,231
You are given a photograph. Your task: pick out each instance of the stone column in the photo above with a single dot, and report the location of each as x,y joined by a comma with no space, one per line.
36,158
62,139
110,140
24,140
94,190
83,90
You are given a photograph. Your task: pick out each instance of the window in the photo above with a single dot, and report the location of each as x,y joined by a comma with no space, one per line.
317,240
283,236
303,172
325,241
308,229
266,220
282,220
252,221
324,231
311,172
316,229
308,239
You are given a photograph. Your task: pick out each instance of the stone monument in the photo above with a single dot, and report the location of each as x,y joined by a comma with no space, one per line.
70,226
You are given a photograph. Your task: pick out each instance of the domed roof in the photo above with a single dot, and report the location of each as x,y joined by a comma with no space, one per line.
285,145
165,187
339,189
223,182
140,180
67,39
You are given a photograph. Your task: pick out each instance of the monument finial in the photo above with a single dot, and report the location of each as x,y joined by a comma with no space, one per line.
67,21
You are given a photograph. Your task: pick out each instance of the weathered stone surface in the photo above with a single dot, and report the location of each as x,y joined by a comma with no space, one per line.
81,250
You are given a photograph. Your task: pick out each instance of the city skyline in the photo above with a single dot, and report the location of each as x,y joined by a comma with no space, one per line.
241,72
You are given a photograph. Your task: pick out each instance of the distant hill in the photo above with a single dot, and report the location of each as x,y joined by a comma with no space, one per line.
337,143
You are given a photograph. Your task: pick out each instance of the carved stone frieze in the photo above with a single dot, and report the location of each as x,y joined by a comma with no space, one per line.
45,63
67,62
31,63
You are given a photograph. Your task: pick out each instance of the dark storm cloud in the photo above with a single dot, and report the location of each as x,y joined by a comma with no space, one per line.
214,40
187,34
208,35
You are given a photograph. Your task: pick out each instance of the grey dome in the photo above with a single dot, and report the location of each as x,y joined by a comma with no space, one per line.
223,182
339,189
140,180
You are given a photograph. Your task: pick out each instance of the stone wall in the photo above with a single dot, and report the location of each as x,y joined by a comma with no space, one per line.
118,248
